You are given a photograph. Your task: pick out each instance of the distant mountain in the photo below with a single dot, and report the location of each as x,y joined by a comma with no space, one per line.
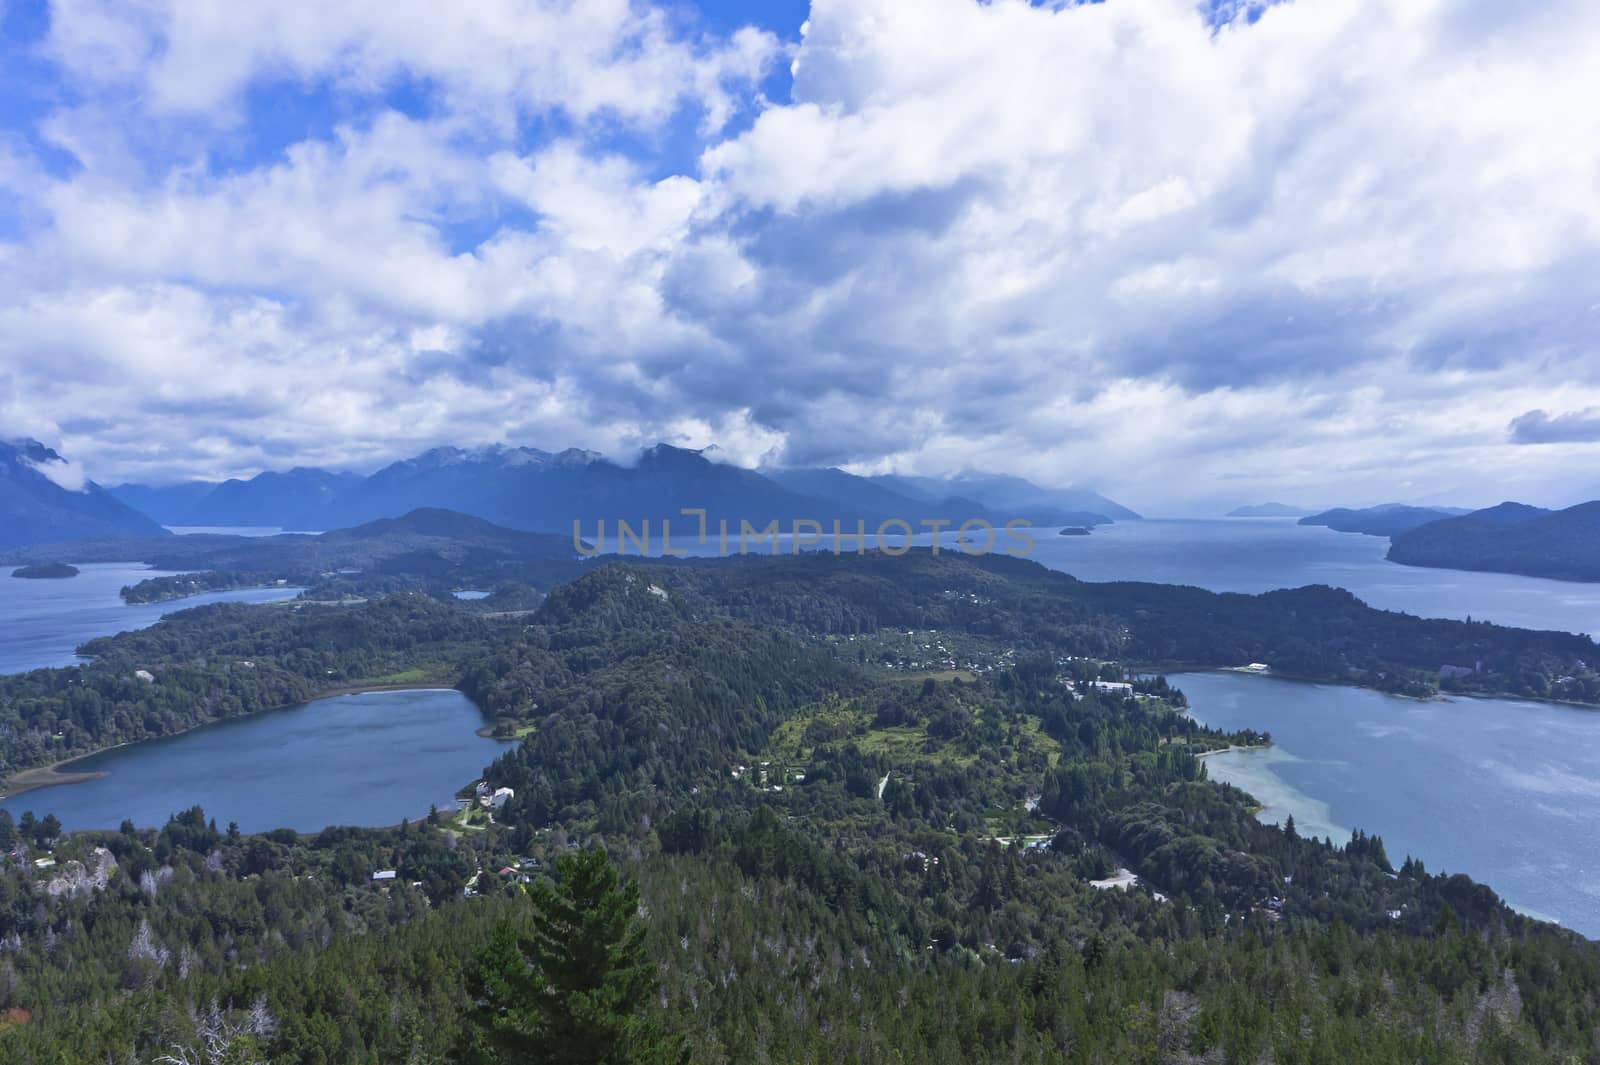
1510,538
1386,520
41,503
874,499
293,499
168,504
1014,497
1267,510
529,489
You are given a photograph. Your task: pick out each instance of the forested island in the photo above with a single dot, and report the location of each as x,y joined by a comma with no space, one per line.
873,808
45,571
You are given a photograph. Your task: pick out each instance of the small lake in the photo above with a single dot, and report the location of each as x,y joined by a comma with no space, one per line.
369,760
1501,790
42,622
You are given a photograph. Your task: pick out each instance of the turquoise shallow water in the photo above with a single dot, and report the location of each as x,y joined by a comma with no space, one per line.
1503,791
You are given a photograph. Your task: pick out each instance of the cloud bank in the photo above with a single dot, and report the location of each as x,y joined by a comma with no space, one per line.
1185,253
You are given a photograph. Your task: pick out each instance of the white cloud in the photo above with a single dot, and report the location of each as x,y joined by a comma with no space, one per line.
1326,254
64,472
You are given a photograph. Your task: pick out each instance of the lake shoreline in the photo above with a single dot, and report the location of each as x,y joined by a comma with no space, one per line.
49,776
1234,748
372,757
1171,669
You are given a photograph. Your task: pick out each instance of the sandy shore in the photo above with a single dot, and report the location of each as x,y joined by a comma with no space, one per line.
1235,747
45,777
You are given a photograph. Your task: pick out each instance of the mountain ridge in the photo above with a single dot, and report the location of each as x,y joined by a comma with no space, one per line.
35,506
1509,538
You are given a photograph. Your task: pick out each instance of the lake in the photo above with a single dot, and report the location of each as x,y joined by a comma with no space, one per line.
369,759
1260,554
1253,555
1501,790
43,621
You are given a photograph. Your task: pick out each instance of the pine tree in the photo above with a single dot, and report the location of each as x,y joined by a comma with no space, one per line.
567,989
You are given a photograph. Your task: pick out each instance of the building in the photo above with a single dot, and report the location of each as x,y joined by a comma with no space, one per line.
383,874
498,799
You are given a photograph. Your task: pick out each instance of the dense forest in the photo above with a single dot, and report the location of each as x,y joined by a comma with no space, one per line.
747,827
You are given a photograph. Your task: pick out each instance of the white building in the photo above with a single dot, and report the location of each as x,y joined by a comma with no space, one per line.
498,799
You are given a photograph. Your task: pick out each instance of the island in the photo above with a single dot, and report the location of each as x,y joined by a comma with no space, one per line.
1074,530
46,571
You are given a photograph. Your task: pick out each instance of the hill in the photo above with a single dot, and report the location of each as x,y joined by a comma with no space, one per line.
1385,520
1509,538
838,856
44,499
426,550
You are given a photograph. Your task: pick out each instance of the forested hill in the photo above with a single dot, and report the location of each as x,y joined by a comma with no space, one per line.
429,550
1510,538
991,605
1390,519
838,855
1314,632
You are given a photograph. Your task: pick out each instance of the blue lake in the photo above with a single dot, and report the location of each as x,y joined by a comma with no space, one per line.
368,759
1260,554
1503,791
43,621
1253,555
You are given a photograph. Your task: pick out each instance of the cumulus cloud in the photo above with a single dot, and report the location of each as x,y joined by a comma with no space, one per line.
1181,251
1539,427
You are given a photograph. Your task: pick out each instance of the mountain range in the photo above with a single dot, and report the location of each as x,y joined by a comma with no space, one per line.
539,491
43,498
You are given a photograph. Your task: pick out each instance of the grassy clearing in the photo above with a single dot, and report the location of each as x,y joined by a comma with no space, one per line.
842,722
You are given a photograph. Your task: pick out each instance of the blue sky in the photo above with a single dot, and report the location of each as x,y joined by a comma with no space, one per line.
1188,253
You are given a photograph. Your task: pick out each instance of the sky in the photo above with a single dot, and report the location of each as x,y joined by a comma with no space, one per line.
1187,253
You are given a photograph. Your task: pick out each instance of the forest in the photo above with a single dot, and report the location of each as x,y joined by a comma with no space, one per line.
739,835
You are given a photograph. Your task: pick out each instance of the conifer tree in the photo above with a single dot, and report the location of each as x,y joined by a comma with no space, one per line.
566,988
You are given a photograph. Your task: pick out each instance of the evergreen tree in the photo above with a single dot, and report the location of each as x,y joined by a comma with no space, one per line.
566,987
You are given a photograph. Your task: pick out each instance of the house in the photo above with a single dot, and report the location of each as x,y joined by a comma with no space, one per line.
144,675
1258,667
480,789
498,799
1114,687
383,874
